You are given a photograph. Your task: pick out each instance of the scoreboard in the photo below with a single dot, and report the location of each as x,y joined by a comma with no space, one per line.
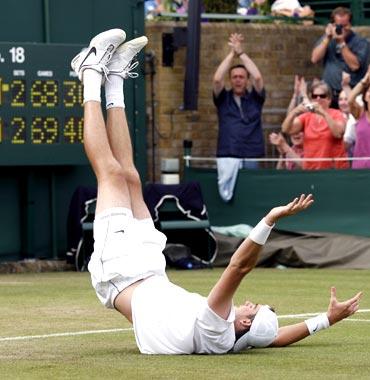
41,115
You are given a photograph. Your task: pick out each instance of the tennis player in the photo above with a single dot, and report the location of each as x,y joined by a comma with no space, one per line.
128,268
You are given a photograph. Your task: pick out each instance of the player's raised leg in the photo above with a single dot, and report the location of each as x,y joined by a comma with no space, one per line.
90,65
117,127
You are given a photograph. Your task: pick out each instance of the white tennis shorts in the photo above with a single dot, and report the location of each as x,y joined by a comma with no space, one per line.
126,250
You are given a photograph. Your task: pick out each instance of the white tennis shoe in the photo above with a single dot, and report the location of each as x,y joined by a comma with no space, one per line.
121,63
99,53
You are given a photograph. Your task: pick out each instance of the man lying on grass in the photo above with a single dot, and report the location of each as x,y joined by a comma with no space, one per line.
128,268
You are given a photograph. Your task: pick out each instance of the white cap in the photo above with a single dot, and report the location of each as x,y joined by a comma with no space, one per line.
263,331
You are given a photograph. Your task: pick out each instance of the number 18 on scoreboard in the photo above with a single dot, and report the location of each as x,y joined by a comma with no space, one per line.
40,105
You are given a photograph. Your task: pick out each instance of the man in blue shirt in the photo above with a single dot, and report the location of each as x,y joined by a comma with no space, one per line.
239,114
341,49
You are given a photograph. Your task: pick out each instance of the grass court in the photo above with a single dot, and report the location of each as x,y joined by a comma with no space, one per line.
52,326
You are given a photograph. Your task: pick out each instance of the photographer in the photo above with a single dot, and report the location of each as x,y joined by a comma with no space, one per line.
323,129
341,49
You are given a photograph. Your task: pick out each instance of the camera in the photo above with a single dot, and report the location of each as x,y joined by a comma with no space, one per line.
338,29
310,107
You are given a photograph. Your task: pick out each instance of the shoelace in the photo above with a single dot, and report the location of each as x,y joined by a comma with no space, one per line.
127,71
105,71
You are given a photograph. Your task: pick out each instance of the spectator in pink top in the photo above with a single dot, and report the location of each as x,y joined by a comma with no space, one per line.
362,130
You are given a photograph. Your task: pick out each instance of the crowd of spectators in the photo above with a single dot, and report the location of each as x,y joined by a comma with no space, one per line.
327,125
290,8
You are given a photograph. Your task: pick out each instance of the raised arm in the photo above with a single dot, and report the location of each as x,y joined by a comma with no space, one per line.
236,43
291,123
219,76
319,51
299,94
337,311
245,257
355,108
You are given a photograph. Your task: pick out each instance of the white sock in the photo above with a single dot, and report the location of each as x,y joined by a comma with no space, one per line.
92,83
114,92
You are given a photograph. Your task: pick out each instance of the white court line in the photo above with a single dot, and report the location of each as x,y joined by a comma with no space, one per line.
27,337
287,316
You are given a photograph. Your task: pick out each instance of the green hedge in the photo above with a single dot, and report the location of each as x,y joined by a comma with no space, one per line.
220,6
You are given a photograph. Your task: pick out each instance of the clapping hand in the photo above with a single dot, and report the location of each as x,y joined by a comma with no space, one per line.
235,41
346,78
303,88
366,79
278,140
297,83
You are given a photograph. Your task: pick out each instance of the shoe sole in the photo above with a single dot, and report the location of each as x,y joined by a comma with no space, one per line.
144,43
97,37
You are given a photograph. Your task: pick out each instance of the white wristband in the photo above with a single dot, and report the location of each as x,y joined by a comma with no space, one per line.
261,232
315,324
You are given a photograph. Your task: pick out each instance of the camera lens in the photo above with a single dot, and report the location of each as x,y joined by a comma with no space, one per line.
338,29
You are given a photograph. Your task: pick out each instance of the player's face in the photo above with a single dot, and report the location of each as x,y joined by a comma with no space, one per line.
249,309
238,80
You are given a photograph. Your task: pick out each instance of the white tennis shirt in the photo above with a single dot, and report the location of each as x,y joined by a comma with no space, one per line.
170,320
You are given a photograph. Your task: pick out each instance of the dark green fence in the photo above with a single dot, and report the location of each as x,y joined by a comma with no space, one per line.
323,8
341,198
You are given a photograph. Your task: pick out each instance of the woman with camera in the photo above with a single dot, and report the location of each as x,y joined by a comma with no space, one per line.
323,128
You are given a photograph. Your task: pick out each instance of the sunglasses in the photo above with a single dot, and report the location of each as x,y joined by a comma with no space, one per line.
321,96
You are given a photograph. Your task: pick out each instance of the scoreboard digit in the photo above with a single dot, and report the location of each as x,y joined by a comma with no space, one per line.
41,115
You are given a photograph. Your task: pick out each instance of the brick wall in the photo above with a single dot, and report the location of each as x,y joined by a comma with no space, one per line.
279,51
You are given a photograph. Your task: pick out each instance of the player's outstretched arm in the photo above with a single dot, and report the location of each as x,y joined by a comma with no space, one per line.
245,257
296,205
337,311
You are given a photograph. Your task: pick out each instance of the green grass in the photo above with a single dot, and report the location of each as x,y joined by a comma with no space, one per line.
37,304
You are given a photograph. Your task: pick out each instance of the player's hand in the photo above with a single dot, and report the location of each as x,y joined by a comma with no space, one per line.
340,310
295,206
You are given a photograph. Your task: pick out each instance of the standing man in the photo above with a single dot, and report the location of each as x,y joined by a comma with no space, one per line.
239,116
341,49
